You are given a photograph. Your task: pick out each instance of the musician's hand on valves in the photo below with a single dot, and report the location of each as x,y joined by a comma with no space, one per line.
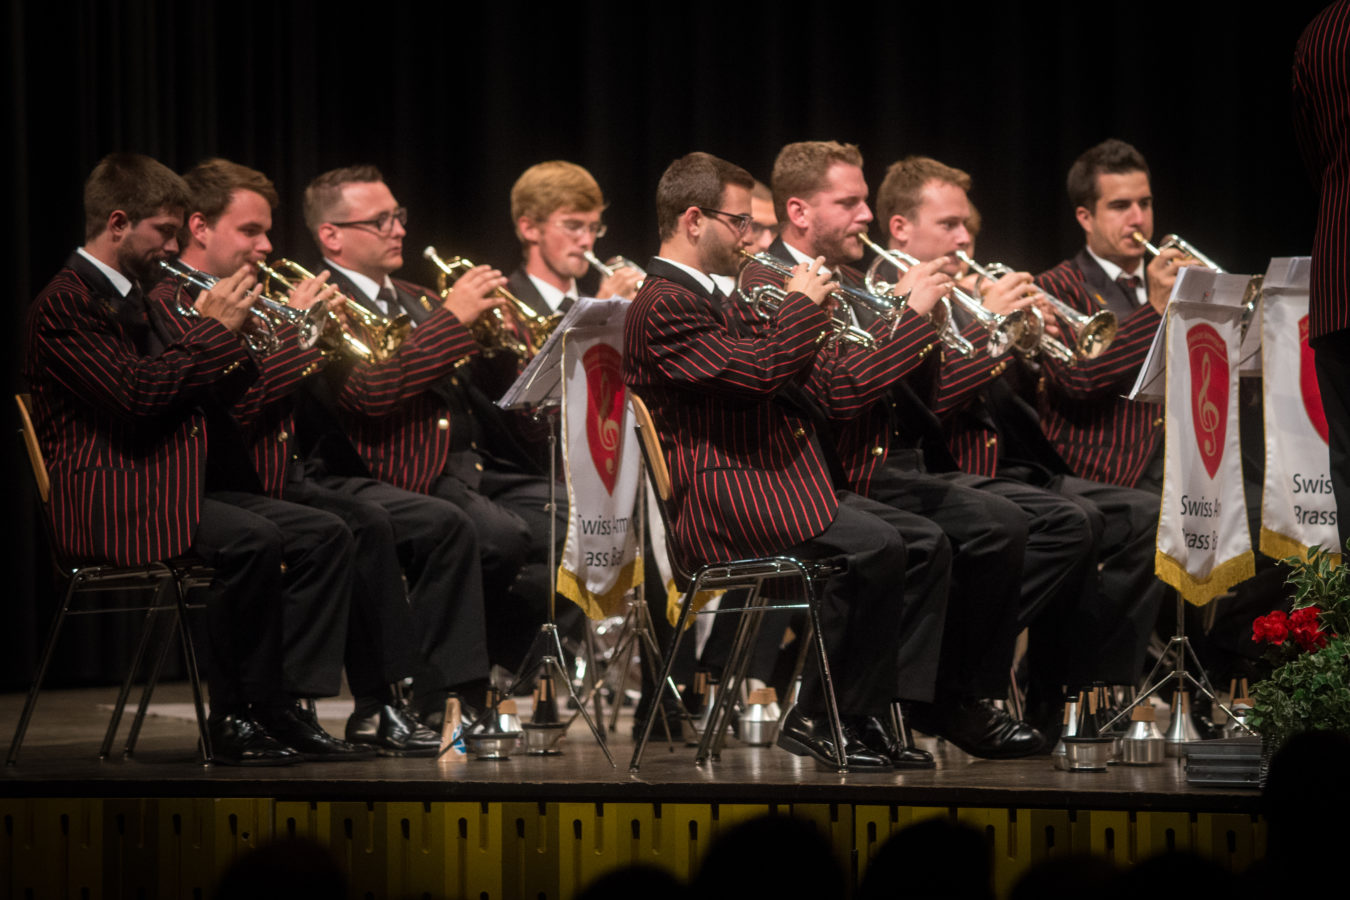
623,283
474,294
1013,291
809,279
1162,274
230,299
926,284
313,290
1051,320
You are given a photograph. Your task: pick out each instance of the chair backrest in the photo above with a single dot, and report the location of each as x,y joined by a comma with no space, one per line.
659,475
39,465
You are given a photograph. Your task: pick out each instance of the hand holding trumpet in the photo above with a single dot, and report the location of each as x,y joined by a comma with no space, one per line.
474,293
229,300
809,279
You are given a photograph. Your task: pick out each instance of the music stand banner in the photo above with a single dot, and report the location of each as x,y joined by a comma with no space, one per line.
600,563
1298,508
1204,545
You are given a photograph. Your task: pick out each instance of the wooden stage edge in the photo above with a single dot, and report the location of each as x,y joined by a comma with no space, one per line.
59,759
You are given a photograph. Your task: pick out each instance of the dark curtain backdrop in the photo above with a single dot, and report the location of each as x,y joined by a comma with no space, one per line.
453,101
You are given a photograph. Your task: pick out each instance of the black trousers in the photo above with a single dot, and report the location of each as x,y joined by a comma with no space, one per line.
988,539
510,516
433,629
882,620
273,631
1332,359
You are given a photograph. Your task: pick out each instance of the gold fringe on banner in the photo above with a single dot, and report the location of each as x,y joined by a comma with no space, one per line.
1198,593
1279,546
600,606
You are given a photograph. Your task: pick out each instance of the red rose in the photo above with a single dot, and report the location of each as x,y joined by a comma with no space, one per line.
1272,628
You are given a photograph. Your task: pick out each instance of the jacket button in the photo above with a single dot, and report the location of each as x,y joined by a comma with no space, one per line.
454,381
231,367
443,424
478,466
878,450
1157,422
194,431
283,437
799,433
990,442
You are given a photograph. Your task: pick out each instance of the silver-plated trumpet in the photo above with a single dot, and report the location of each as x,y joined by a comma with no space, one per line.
765,299
1175,240
607,269
1092,334
259,330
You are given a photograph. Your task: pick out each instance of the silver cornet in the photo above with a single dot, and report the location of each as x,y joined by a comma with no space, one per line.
765,299
1175,240
619,262
259,331
1092,334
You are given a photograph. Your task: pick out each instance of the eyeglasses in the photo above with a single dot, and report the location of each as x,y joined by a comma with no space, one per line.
383,223
740,223
577,228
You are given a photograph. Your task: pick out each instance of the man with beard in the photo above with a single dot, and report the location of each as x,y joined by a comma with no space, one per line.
821,200
750,476
118,412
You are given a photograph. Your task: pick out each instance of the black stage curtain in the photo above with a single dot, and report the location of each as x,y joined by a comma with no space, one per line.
452,102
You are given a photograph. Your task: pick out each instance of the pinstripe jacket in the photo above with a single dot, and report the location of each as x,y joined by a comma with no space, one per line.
1321,113
1100,434
393,411
265,414
120,417
747,472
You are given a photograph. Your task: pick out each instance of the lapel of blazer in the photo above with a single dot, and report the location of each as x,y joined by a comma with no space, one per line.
520,284
1103,290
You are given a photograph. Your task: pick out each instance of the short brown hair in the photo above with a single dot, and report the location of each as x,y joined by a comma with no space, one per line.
135,184
901,190
323,196
799,170
695,179
1111,157
549,186
214,181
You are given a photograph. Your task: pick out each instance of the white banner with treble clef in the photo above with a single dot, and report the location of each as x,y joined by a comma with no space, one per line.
1298,508
600,562
1204,545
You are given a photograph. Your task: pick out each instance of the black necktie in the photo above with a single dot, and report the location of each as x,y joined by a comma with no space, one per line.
389,300
566,303
1130,283
134,313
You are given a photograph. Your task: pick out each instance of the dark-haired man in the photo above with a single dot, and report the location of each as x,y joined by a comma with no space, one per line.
821,200
418,421
749,472
118,412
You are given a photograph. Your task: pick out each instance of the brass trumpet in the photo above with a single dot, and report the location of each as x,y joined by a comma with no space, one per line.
1174,240
259,332
619,262
765,299
1001,333
1092,334
490,329
379,337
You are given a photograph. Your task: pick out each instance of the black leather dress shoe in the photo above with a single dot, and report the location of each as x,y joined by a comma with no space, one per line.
811,737
299,729
879,739
238,740
393,731
982,729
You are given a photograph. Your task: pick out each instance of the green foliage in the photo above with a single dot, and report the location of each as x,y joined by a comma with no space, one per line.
1310,690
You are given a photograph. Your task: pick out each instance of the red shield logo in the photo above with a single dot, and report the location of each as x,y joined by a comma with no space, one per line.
1209,392
604,410
1307,382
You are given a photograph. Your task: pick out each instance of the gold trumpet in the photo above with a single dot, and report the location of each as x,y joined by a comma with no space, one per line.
619,262
1092,334
259,331
379,337
490,329
1175,240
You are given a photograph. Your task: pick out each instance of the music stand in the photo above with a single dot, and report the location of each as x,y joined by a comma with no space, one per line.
538,389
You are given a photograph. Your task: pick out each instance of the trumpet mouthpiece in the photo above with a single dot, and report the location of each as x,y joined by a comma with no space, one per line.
1139,236
429,252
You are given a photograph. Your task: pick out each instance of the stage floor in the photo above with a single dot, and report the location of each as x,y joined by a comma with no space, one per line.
60,759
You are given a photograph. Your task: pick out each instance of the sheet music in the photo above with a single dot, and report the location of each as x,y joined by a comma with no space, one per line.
540,384
1283,274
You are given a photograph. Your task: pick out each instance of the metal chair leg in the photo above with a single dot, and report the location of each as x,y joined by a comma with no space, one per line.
137,658
134,732
826,680
41,675
686,608
190,661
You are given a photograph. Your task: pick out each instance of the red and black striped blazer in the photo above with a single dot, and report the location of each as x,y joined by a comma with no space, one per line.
397,421
1100,434
266,412
747,472
122,430
851,383
1321,84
